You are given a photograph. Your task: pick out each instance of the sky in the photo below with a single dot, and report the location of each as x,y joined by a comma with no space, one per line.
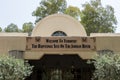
20,11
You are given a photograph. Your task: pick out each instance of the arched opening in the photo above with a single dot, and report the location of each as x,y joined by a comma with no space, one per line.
59,33
61,67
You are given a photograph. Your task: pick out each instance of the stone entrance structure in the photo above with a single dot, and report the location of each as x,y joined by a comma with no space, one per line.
58,48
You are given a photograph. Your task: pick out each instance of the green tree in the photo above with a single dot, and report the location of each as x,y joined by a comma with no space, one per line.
13,69
0,29
11,28
48,7
107,66
98,19
28,27
73,11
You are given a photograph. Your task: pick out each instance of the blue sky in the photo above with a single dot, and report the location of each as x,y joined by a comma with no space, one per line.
20,11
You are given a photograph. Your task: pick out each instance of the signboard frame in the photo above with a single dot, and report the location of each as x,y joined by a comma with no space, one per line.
60,43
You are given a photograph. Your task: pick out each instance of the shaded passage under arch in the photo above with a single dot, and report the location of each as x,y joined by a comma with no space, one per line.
62,65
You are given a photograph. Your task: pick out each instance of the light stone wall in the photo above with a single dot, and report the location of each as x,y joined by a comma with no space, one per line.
102,43
8,43
37,55
108,43
58,22
105,34
12,34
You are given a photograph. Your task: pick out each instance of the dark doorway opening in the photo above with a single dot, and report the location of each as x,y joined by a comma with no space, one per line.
61,67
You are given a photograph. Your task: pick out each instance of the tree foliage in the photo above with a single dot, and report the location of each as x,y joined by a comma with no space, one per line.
107,67
28,27
73,11
94,17
13,69
48,7
0,29
11,28
98,19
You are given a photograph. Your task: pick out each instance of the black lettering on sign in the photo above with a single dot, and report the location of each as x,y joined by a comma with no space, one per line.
37,39
34,46
85,46
75,46
56,46
61,46
84,39
69,41
51,41
61,41
67,46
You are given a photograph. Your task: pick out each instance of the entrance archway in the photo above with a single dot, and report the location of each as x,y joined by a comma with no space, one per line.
61,67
